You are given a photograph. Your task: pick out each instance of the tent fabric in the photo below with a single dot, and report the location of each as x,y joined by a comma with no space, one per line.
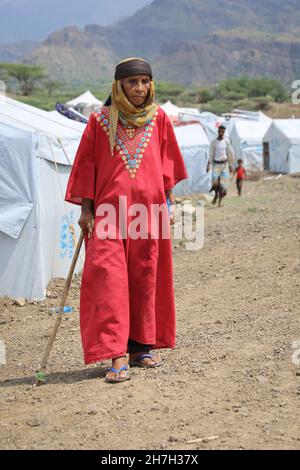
18,184
175,111
283,138
62,138
86,99
208,120
170,109
246,138
211,123
194,145
36,225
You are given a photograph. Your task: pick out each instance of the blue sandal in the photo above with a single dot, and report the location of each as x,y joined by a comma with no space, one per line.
138,361
119,378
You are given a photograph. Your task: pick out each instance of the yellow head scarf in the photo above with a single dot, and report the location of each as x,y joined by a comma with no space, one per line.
121,109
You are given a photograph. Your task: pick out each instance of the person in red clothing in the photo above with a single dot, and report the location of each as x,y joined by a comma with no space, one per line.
128,162
240,173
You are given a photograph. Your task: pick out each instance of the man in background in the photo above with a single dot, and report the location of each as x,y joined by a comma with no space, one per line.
221,158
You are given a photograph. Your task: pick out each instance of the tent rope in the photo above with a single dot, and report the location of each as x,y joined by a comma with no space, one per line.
63,149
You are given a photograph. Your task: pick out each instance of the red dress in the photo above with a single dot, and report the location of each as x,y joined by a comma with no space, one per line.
127,284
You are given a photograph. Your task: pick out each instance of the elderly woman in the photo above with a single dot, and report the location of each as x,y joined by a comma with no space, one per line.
128,162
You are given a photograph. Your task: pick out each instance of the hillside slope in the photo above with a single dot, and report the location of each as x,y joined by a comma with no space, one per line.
188,41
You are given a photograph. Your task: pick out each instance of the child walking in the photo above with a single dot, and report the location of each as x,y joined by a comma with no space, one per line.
240,173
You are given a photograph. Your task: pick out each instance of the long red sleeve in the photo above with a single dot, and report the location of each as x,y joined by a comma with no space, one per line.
81,183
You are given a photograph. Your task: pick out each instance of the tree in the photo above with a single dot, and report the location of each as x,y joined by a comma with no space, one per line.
235,88
168,91
52,85
26,75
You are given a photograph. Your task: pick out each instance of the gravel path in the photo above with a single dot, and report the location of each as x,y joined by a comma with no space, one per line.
231,383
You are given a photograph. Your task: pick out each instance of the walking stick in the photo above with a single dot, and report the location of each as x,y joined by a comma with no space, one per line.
41,375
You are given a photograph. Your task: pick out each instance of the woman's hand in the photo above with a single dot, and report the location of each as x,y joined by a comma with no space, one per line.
87,218
172,219
170,196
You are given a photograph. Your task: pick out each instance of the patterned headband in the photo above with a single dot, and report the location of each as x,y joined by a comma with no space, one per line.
133,67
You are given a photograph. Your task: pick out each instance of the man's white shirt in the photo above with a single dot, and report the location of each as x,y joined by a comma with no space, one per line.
221,151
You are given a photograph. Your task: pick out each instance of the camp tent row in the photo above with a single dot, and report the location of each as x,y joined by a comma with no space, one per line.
262,143
272,145
86,103
38,230
194,145
193,140
282,146
37,236
247,140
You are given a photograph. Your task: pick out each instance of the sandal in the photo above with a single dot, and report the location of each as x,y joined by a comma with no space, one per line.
118,378
138,361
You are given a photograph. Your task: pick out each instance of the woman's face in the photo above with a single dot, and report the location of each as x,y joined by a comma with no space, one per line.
136,88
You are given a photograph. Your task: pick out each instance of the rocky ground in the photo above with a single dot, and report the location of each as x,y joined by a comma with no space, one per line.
233,382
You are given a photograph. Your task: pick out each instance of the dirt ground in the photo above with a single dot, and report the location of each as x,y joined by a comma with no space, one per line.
231,382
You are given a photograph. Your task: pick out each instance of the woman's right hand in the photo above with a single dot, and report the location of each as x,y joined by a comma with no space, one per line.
87,218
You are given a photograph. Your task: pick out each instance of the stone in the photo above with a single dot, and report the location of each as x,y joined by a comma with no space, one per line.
20,302
244,411
33,422
261,379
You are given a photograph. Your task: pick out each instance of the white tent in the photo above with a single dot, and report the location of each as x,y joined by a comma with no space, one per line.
188,114
36,226
247,141
282,146
170,109
194,145
184,114
211,123
85,103
86,99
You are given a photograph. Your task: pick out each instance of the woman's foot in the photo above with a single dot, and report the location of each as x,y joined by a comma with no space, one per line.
119,371
145,359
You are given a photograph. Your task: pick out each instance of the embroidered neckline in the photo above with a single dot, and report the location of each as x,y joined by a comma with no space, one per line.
131,141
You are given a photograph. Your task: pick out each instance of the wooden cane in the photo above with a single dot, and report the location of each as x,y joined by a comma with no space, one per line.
41,375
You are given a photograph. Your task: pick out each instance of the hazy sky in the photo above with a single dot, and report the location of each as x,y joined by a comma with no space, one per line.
35,19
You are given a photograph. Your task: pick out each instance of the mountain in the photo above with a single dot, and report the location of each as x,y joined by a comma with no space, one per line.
220,56
17,51
74,55
187,41
181,20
